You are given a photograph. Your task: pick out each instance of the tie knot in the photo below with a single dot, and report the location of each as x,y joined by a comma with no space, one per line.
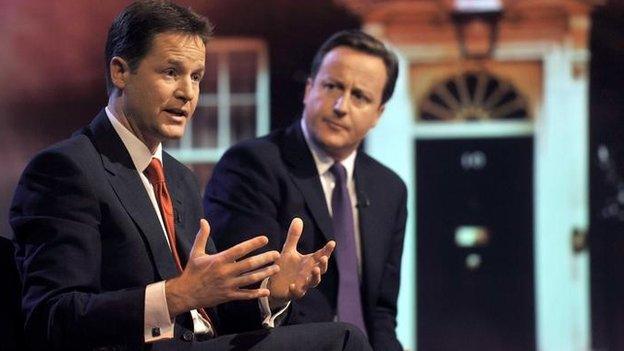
154,171
339,171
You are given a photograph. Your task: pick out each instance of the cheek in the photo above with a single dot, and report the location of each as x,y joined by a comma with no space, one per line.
150,99
193,105
365,125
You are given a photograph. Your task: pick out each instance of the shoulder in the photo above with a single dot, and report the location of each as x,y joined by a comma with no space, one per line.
255,154
60,180
261,147
65,156
379,173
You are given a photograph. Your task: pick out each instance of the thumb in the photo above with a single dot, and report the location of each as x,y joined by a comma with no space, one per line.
294,233
199,246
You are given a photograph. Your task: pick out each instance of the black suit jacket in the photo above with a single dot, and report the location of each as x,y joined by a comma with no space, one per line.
260,185
89,241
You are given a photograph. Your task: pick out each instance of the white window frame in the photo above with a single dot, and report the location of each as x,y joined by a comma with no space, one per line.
223,99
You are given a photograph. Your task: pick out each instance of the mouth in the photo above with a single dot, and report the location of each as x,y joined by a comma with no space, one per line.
334,125
177,112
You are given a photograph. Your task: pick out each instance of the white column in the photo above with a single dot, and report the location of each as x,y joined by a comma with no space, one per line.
561,205
391,142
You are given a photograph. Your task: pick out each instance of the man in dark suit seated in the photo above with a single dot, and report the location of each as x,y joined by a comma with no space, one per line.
315,170
105,221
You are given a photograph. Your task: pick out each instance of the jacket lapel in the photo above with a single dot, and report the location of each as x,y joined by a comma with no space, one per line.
184,241
371,243
306,178
129,189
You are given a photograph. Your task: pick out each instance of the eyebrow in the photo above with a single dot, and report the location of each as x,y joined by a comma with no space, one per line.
356,88
179,63
174,62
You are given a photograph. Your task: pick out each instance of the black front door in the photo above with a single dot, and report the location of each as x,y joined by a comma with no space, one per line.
475,244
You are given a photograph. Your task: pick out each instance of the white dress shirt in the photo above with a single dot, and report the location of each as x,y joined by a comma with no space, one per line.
323,163
156,312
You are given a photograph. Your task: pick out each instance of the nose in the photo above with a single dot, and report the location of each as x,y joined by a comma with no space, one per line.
341,105
185,90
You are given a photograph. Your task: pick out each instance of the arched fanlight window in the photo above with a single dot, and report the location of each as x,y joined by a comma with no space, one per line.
474,96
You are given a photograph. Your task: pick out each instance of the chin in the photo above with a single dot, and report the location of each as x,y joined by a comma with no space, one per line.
333,148
173,133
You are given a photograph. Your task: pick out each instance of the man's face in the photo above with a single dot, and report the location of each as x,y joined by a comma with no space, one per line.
343,102
162,93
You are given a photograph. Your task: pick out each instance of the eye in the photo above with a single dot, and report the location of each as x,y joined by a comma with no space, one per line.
170,72
360,96
329,86
196,77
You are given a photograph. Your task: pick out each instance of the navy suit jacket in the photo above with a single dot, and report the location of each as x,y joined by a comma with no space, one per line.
258,186
88,241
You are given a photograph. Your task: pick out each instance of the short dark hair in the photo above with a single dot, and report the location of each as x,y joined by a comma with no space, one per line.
132,32
360,41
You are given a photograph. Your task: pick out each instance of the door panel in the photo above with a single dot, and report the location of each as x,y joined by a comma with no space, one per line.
475,244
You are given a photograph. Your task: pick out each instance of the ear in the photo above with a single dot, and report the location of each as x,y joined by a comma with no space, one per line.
119,72
309,83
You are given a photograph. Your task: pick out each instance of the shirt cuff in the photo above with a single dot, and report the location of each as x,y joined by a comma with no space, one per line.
158,325
201,325
270,319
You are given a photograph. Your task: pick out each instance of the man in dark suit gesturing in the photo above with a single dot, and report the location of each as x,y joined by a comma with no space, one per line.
105,221
315,171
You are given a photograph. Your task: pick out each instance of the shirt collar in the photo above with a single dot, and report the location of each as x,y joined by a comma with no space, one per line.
140,154
322,160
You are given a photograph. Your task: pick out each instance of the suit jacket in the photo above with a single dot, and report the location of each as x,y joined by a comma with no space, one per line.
260,185
89,241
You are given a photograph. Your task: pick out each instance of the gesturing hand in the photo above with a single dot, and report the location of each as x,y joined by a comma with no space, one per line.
209,280
298,272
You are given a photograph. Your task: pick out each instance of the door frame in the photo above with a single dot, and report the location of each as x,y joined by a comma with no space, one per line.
560,131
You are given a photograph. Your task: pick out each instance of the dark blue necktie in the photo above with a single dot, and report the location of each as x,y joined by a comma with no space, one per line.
349,299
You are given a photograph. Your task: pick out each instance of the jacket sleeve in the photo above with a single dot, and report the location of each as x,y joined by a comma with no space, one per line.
56,219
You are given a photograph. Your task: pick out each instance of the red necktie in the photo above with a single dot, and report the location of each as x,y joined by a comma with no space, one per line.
156,176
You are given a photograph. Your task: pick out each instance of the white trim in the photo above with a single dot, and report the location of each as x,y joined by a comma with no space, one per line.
489,129
262,92
389,143
517,51
203,155
223,93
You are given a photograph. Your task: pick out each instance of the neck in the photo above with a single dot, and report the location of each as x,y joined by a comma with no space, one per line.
338,155
116,106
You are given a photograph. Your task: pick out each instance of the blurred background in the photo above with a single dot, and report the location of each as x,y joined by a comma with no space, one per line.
507,125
